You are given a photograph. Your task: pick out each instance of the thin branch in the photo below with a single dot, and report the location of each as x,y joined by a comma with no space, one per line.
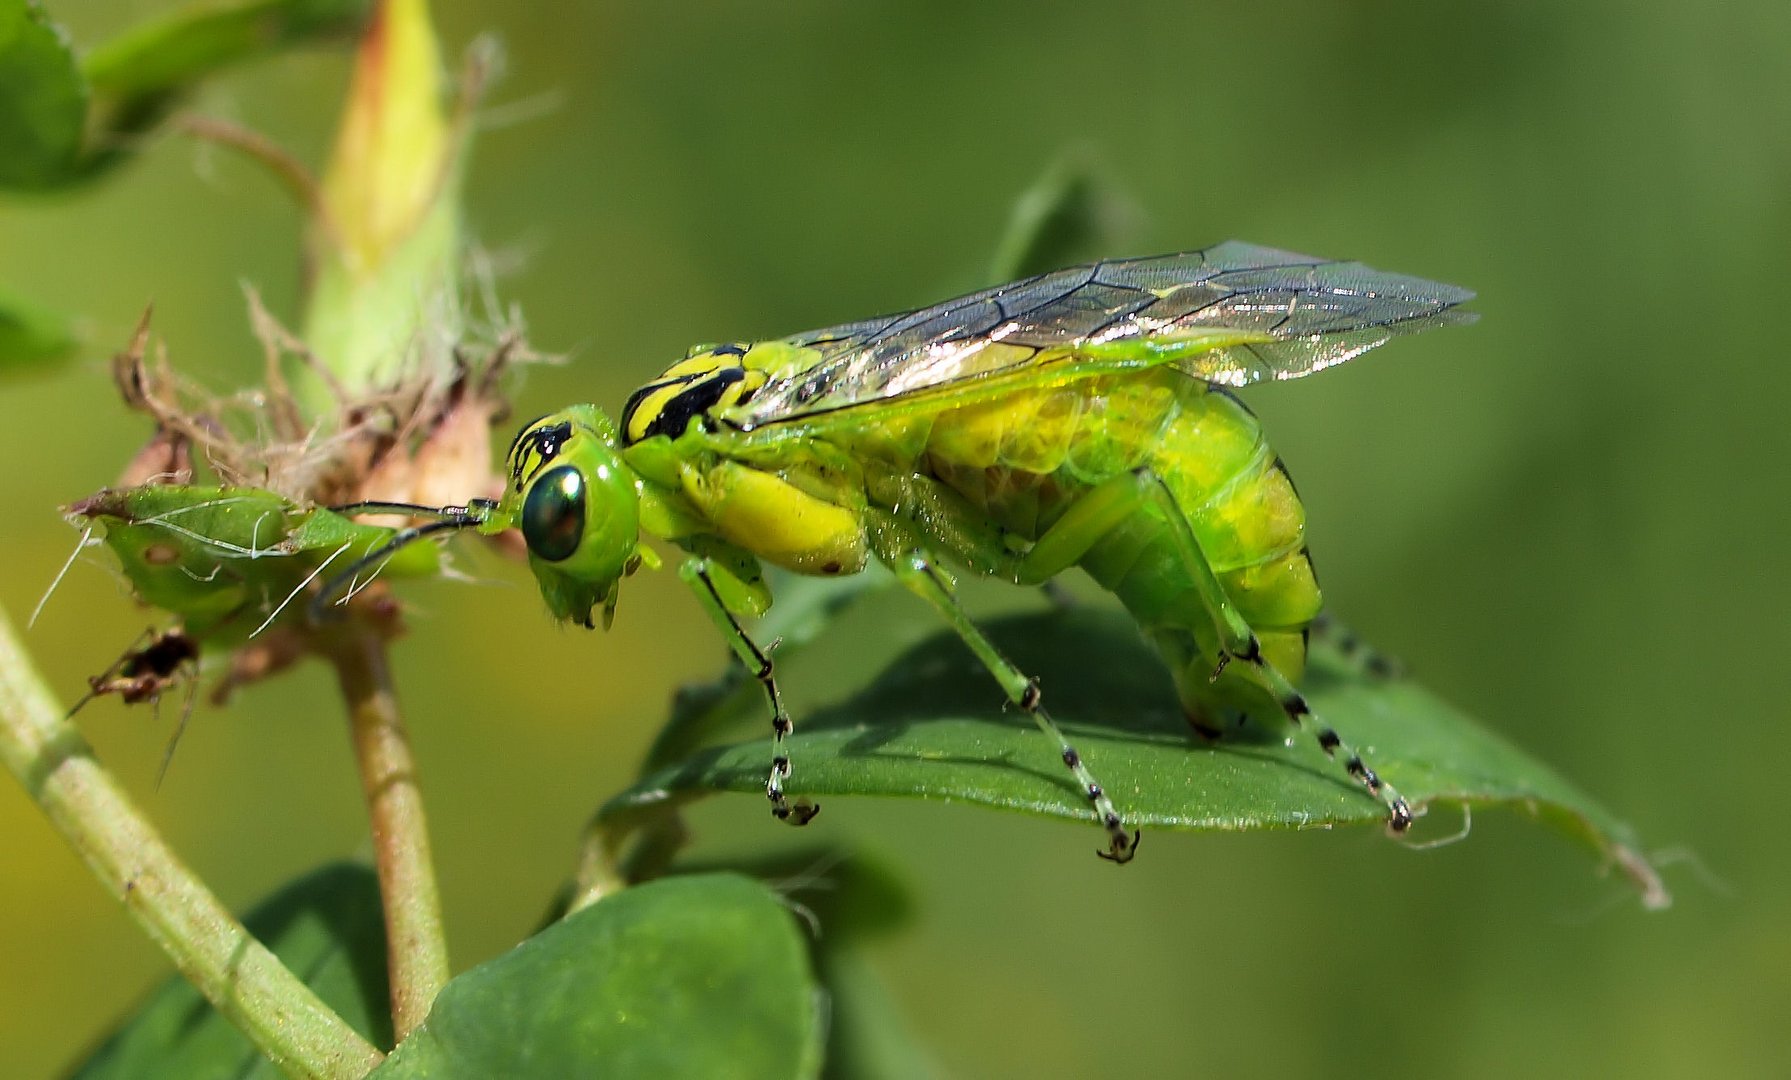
287,169
243,980
415,942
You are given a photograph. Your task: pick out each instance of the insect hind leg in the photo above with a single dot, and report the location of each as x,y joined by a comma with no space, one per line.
1358,653
1239,644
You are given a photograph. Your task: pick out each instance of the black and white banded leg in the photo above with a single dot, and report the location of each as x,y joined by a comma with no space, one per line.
695,573
1239,645
917,572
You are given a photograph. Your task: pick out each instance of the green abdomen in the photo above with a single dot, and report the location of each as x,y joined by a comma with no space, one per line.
1024,460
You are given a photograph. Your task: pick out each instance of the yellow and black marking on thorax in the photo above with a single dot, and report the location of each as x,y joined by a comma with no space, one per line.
716,377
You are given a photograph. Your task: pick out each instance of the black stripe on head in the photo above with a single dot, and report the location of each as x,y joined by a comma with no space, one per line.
548,440
543,443
520,432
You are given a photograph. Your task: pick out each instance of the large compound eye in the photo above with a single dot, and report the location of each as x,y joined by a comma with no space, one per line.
553,514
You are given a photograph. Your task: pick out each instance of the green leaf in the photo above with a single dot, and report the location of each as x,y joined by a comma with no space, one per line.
848,898
176,50
801,610
139,76
63,120
229,560
867,1038
31,336
851,896
43,99
326,927
932,726
1069,215
689,976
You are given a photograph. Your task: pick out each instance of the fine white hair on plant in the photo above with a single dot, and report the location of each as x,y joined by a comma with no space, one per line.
817,875
206,579
180,726
81,545
357,585
1467,826
803,912
299,588
253,551
1674,856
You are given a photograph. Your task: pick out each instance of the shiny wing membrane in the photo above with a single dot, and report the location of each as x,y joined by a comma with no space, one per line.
1317,314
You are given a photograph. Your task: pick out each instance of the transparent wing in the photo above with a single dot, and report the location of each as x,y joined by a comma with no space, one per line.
1317,314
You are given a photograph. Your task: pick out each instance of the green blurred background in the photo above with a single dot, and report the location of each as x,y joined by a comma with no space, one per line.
1569,519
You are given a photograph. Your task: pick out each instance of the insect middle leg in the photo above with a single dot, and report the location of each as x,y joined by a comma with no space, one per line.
695,573
903,551
1116,500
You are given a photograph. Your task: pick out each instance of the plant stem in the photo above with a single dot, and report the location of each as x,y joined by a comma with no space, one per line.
604,869
416,946
243,980
597,875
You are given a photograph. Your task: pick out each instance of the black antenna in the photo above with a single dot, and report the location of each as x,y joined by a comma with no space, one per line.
376,506
450,518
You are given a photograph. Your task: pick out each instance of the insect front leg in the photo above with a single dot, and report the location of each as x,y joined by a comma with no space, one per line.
904,552
696,573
